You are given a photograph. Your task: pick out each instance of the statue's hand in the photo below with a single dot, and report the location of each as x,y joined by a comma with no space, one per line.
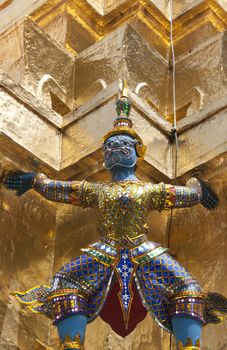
19,181
209,198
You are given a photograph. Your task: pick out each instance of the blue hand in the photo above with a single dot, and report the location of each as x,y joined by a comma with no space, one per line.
19,182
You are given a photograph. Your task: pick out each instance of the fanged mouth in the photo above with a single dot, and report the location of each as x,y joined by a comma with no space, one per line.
123,150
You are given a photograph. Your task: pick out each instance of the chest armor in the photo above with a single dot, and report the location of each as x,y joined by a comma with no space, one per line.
122,210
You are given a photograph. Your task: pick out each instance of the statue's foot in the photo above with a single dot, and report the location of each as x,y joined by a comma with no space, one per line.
72,347
189,345
70,344
67,345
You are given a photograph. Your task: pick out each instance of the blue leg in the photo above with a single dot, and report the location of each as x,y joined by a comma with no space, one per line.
187,332
71,330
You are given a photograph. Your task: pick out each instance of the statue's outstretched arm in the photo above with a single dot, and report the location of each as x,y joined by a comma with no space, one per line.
195,191
57,191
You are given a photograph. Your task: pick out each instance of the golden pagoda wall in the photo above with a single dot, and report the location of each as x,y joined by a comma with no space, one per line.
27,255
12,50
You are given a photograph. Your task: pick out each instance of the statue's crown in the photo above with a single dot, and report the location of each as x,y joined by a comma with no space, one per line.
123,124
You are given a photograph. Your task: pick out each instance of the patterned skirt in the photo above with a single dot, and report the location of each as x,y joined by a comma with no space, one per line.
121,285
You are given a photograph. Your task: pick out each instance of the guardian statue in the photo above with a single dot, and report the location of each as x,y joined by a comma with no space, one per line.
123,275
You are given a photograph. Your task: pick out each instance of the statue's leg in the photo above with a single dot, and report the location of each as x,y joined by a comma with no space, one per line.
75,296
174,298
187,332
71,330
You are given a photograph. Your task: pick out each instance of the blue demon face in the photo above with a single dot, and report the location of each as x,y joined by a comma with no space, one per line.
119,152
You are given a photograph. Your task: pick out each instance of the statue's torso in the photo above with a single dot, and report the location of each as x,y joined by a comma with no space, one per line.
123,208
